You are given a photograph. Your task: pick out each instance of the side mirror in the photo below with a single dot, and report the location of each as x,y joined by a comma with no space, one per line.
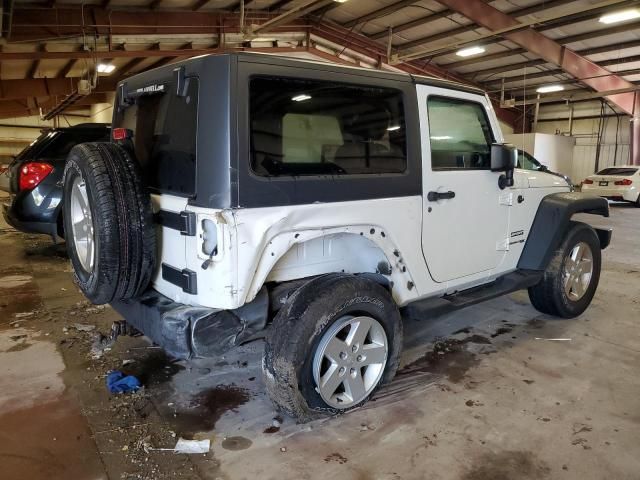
504,158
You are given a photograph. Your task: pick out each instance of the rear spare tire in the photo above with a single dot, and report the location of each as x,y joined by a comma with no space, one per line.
108,223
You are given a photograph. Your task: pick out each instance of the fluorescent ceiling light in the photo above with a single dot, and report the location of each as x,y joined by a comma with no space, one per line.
467,52
339,1
620,16
105,67
301,98
393,128
550,88
441,137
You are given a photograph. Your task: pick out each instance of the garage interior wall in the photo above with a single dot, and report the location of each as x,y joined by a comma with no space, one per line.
102,112
613,131
17,133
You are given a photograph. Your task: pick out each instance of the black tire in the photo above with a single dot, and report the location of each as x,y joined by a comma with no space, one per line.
549,295
298,328
122,218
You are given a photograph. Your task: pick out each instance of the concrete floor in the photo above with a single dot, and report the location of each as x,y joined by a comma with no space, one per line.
483,394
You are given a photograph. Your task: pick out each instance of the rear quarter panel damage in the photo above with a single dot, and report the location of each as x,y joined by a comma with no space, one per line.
286,243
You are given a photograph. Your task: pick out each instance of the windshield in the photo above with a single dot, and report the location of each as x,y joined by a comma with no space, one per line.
625,172
527,162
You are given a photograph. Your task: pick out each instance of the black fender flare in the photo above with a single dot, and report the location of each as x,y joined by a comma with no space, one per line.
551,222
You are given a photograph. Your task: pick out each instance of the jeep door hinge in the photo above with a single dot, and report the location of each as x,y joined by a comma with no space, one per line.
502,245
184,222
506,199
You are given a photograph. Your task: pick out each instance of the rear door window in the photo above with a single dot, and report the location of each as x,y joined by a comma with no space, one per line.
164,128
309,127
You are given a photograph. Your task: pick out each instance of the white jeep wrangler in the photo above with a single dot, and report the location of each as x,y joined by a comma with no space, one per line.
249,195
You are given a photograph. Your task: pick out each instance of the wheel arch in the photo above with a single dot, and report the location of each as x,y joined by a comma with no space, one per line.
551,223
361,249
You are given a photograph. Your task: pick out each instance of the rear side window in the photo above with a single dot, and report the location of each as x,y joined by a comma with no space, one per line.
164,128
58,144
66,140
460,134
308,127
625,172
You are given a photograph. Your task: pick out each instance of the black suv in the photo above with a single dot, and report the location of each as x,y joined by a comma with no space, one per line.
35,178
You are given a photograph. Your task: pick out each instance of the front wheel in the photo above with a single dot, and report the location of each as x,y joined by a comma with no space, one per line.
571,278
334,343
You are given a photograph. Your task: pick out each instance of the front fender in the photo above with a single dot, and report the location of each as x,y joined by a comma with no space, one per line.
551,223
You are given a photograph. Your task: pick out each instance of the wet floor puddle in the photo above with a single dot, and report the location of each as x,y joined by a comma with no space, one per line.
203,410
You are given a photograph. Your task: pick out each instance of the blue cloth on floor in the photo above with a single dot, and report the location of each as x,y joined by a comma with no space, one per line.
117,382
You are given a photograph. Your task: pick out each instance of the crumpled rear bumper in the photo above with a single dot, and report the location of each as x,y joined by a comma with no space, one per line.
184,331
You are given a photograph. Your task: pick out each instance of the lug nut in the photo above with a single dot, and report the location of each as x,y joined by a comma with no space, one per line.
359,358
343,355
342,371
354,348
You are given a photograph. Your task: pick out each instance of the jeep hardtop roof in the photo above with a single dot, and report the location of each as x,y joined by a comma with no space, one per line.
213,120
205,61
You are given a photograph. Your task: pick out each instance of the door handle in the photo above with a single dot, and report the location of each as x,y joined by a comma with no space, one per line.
435,196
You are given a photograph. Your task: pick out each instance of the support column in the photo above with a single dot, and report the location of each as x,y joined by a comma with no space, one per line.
634,140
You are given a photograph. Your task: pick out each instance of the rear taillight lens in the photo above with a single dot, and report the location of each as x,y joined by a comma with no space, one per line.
121,133
588,182
31,174
625,182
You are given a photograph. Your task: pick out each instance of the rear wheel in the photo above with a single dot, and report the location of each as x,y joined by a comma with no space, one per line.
571,278
334,343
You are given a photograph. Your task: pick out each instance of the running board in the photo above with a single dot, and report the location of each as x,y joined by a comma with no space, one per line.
512,282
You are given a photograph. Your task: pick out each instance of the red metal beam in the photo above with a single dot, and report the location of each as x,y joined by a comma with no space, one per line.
31,23
70,21
25,108
550,50
365,46
132,53
46,87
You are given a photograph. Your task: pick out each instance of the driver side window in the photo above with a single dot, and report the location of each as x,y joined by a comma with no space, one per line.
460,134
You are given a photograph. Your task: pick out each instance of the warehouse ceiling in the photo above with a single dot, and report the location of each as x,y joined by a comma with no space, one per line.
588,48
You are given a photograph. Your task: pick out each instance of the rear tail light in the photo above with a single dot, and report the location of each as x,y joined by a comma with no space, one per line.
588,182
626,182
121,133
31,174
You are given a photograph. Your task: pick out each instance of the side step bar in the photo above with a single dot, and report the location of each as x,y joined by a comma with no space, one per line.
512,282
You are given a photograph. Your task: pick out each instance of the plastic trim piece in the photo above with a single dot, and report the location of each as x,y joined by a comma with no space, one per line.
551,223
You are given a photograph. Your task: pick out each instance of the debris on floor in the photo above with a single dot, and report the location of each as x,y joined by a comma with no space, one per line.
81,327
554,339
192,446
118,382
101,344
183,445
